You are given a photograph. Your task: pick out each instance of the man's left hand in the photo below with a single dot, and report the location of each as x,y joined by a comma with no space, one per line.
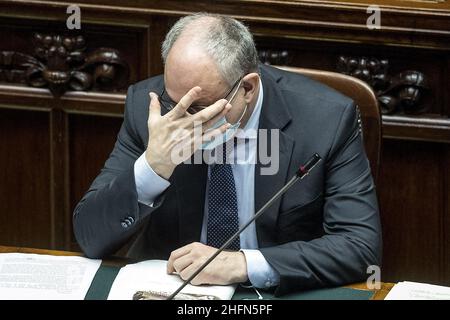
227,268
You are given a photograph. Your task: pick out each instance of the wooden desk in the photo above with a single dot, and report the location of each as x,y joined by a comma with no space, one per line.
380,294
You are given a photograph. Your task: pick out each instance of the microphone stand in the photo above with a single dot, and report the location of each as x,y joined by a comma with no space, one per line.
302,172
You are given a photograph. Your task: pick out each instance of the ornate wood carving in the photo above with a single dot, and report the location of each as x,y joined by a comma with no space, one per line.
404,92
61,63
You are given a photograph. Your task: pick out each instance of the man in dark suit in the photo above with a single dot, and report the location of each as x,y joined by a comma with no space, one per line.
324,231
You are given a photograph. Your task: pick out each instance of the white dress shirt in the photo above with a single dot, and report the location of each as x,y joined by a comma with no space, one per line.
149,185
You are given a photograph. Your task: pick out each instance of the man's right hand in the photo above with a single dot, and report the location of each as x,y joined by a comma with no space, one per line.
177,128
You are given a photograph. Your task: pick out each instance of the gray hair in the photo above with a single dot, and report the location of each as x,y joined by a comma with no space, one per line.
228,42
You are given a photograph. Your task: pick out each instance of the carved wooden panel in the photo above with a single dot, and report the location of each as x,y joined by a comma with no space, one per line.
445,247
93,59
45,67
91,141
411,207
26,218
404,92
414,85
61,63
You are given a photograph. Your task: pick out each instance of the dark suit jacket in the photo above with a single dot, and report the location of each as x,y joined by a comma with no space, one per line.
324,231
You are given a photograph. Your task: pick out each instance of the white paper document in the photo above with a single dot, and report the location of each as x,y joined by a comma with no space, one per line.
26,276
418,291
149,278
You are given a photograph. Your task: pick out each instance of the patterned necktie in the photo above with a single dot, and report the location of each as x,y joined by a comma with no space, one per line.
223,219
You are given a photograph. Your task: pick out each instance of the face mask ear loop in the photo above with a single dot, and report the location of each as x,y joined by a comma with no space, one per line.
231,99
242,115
245,110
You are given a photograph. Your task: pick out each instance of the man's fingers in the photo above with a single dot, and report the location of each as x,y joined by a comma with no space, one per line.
208,136
175,255
200,138
183,262
180,109
154,107
208,124
211,111
189,271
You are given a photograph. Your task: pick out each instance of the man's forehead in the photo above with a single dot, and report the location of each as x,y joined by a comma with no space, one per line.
178,82
187,66
209,94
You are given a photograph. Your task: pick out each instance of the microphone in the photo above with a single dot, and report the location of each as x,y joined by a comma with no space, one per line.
302,172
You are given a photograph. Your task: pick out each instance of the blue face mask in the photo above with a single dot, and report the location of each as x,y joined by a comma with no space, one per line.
224,137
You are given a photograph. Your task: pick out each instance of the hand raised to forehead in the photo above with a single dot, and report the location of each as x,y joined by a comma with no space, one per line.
175,130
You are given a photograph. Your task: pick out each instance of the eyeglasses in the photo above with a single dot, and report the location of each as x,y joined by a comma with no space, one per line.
168,104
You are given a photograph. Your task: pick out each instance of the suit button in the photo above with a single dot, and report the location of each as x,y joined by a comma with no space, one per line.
124,224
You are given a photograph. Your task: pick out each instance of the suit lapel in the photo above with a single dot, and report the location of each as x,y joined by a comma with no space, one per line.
274,115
